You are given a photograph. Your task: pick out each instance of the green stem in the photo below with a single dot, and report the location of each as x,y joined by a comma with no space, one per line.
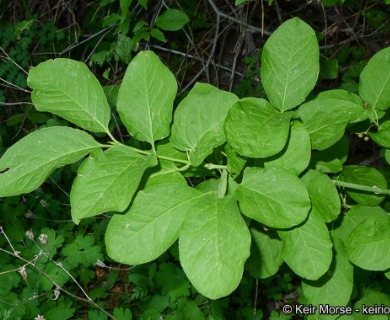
373,189
112,137
174,160
212,166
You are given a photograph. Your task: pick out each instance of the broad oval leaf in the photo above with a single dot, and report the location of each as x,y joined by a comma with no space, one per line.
266,254
255,129
326,119
307,249
368,245
214,244
68,89
152,223
335,287
274,197
325,201
295,156
172,20
106,181
198,121
356,215
340,94
28,163
374,84
145,98
290,64
365,176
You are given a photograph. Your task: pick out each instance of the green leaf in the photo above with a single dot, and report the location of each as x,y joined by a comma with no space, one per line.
172,20
290,64
68,89
382,136
326,119
124,48
340,94
214,244
143,3
60,310
329,69
356,215
122,314
82,251
235,162
374,84
28,163
331,160
106,181
365,176
145,98
273,196
172,282
238,2
370,299
125,5
325,201
368,245
157,34
266,254
198,121
56,274
188,310
295,156
255,129
335,287
307,249
152,223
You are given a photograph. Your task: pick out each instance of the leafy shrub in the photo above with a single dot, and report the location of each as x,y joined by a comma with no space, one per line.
266,175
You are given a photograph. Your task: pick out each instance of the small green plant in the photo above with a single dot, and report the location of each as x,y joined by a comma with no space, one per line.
266,175
131,28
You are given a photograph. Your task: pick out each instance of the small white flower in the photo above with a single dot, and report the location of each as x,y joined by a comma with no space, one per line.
44,238
30,234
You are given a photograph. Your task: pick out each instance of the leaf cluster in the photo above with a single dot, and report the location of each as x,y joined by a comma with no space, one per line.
248,183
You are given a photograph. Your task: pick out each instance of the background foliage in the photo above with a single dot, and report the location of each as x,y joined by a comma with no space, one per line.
220,44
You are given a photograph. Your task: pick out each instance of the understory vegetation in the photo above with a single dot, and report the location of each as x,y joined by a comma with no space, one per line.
205,159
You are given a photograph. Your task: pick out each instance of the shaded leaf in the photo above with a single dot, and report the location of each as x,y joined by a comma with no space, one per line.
325,201
335,287
382,136
266,254
356,215
172,20
307,249
368,245
365,176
